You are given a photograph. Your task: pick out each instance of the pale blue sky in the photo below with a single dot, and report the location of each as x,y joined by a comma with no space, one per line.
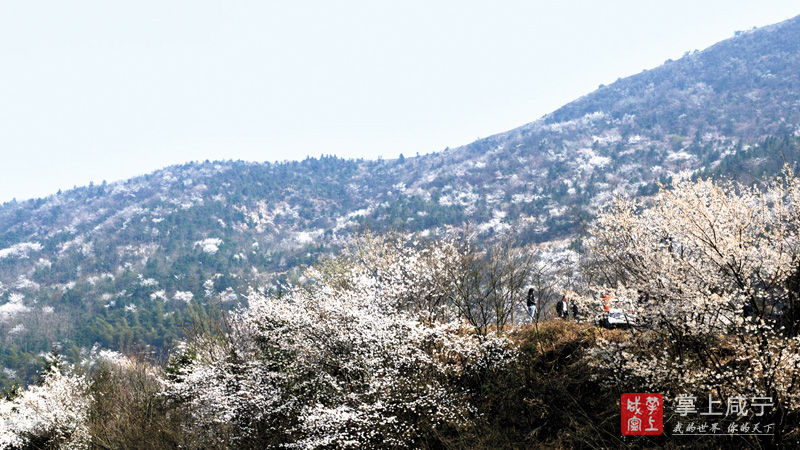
99,90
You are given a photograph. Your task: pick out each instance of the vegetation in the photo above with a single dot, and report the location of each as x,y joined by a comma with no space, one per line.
253,310
714,267
125,264
381,347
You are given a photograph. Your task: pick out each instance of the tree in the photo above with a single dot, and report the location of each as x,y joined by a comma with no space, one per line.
488,283
343,361
438,280
718,263
53,414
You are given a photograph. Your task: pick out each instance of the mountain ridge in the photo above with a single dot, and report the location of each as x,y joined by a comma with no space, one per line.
123,263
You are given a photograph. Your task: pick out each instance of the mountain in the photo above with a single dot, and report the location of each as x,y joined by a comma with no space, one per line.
127,264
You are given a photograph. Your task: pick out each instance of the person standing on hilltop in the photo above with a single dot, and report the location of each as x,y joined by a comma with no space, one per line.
531,302
575,310
562,309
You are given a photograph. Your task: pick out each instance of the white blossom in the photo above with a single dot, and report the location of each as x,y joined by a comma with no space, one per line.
56,410
713,271
183,296
210,245
340,362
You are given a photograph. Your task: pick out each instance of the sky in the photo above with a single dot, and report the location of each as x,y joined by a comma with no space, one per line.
99,90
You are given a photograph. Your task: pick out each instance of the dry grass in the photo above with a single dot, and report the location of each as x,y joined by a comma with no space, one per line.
552,399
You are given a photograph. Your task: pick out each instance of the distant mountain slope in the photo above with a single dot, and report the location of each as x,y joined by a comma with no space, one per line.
743,88
125,263
685,114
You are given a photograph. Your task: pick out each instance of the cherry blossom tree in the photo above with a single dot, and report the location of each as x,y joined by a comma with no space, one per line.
712,267
52,414
439,280
353,359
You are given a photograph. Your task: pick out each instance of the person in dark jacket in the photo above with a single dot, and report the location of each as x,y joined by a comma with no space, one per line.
562,309
575,310
531,302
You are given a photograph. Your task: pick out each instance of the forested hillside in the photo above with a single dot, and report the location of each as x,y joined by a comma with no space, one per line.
125,265
405,342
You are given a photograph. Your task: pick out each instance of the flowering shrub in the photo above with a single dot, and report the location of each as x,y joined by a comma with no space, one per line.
439,280
711,270
341,363
53,414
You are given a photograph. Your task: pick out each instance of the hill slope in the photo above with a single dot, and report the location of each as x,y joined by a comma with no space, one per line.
126,263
